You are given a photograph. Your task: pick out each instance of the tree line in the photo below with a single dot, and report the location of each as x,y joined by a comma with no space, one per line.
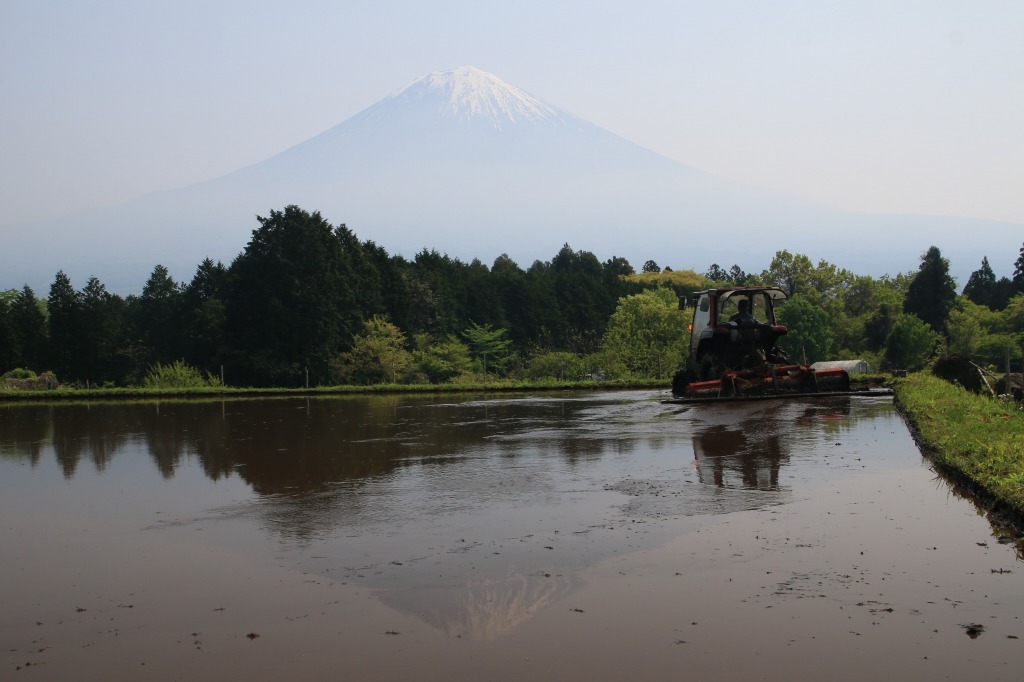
306,302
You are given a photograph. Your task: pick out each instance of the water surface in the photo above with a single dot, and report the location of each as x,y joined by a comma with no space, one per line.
577,535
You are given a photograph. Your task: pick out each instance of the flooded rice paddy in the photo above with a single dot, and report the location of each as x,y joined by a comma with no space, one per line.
598,536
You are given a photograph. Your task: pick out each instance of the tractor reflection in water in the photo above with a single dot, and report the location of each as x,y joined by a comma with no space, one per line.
722,454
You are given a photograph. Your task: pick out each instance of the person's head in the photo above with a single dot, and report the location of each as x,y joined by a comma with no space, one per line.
744,305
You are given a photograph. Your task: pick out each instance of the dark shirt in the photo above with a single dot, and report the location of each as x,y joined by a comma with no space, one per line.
744,319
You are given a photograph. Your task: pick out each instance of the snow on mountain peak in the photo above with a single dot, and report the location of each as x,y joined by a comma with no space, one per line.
468,93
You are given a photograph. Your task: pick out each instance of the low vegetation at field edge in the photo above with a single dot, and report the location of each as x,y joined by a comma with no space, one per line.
977,438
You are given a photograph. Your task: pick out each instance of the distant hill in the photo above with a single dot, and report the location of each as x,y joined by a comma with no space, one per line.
466,164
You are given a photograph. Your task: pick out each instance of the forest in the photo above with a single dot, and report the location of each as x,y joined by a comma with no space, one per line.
309,304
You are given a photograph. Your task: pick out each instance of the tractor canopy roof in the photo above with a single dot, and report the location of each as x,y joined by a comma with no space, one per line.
725,293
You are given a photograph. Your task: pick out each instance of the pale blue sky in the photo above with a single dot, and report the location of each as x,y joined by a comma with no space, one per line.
886,106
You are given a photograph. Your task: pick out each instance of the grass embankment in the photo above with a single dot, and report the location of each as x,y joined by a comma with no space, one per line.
977,440
222,392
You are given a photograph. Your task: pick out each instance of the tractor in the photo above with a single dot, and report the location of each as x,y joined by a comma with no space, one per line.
734,352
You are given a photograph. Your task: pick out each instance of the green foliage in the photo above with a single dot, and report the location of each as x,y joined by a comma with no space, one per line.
1012,316
490,348
985,335
558,365
178,375
790,273
910,344
964,333
879,324
647,333
984,289
378,356
716,276
992,349
440,361
809,331
19,373
679,280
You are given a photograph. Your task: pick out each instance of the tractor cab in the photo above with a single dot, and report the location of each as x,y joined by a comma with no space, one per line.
734,328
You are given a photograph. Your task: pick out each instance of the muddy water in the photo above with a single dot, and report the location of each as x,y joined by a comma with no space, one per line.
593,536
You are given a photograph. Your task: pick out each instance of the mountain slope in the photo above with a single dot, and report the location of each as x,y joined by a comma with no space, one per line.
464,163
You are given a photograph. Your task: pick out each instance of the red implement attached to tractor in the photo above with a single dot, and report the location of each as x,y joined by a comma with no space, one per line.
734,352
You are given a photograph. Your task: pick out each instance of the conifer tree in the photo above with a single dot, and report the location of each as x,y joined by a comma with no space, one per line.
1018,273
932,292
981,284
65,318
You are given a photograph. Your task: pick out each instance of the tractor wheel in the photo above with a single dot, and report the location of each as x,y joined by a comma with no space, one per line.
680,381
710,368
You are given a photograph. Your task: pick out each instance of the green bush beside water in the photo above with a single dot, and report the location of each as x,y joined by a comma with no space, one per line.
979,437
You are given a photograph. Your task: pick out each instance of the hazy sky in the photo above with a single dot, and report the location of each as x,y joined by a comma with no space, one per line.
885,106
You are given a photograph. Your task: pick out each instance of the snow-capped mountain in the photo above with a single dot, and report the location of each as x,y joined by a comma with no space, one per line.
468,93
461,162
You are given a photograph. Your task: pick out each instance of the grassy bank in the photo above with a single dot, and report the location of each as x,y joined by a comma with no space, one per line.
978,441
497,386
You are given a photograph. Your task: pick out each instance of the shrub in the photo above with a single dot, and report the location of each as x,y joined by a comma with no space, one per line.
556,365
178,375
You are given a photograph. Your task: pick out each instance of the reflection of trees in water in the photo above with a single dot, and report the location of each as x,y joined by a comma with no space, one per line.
480,609
168,440
23,432
74,432
281,446
312,456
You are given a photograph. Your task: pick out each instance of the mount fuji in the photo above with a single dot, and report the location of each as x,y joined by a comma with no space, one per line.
461,162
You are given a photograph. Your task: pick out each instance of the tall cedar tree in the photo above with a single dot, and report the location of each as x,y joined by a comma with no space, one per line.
932,292
158,316
292,305
30,332
203,316
582,299
1018,274
509,285
103,334
8,337
981,284
65,326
